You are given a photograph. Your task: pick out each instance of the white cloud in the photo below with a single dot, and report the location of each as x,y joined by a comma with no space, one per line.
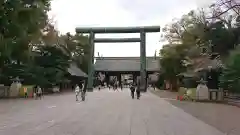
72,13
86,13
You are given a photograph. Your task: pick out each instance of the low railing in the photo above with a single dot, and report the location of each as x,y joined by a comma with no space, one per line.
217,94
229,95
232,98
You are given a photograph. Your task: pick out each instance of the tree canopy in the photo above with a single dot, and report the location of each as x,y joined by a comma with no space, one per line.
207,31
32,49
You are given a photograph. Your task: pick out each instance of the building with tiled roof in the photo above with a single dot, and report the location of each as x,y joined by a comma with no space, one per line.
125,64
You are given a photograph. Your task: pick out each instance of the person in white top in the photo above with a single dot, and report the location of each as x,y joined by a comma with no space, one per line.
77,90
39,92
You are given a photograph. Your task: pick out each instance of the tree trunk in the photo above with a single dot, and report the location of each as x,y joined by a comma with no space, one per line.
173,85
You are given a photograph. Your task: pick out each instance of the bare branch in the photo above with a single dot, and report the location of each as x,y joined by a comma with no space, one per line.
216,16
227,5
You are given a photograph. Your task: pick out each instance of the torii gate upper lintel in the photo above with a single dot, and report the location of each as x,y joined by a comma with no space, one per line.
100,30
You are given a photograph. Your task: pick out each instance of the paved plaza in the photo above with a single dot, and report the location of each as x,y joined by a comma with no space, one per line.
103,113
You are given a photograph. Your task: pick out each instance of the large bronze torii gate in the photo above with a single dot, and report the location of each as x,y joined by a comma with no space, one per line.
100,30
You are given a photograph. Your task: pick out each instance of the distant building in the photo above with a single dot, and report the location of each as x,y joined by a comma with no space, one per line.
125,64
118,66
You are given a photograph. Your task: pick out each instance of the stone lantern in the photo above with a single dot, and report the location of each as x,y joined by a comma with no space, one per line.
15,87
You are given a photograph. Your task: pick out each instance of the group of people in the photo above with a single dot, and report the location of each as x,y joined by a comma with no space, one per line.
81,88
112,84
37,92
115,85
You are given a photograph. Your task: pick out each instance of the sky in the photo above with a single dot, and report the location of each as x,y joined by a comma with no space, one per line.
69,14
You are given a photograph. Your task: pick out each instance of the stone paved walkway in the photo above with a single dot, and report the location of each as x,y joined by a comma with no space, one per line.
103,113
222,116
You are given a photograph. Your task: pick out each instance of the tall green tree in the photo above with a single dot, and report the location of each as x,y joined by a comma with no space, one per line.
20,27
20,24
213,30
54,64
78,48
230,78
172,62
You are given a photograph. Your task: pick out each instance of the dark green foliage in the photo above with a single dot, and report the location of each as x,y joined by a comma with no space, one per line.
53,63
221,38
48,68
20,24
189,82
32,49
160,82
173,59
230,78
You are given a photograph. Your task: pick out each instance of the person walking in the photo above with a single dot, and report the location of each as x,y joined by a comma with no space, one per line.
132,88
121,85
35,92
25,92
138,89
99,87
116,85
83,86
39,92
83,90
77,90
138,93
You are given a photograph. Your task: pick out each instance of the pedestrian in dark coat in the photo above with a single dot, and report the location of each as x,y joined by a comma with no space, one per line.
132,88
138,89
